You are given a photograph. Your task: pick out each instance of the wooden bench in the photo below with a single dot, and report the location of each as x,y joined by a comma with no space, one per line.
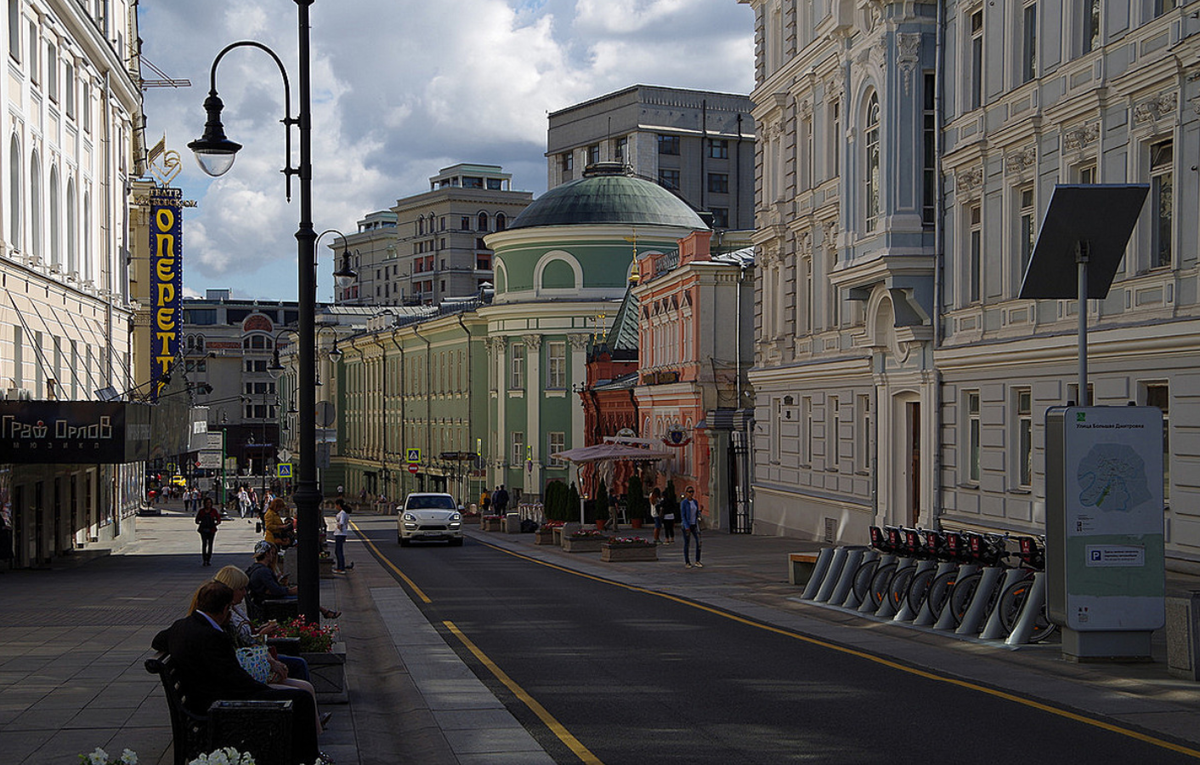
263,728
800,567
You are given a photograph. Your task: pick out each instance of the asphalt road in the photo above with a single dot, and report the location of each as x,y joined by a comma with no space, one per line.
639,678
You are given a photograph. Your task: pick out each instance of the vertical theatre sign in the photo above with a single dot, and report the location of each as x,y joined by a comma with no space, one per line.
166,281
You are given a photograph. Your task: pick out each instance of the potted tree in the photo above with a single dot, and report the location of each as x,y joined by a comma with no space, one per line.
602,506
636,505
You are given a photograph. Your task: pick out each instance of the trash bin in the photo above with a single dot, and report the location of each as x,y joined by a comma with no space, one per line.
512,523
1183,636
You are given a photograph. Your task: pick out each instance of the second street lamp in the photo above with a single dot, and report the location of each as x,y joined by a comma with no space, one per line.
216,153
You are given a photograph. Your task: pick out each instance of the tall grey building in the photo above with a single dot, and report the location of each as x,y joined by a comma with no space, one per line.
430,246
899,378
696,143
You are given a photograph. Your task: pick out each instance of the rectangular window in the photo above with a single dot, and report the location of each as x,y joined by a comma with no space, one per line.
566,161
85,106
593,154
720,217
973,436
833,443
806,421
619,149
1028,228
517,367
669,179
1164,6
718,183
1091,25
668,144
862,436
464,223
556,442
807,176
69,88
976,99
1029,42
718,148
929,143
1024,401
835,138
52,72
1159,395
1087,174
518,449
1073,395
975,267
556,366
1162,203
14,29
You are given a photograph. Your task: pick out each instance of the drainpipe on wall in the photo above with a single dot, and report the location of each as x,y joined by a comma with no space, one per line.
938,254
383,453
428,397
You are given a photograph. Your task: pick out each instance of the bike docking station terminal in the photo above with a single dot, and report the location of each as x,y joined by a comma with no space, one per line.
1105,558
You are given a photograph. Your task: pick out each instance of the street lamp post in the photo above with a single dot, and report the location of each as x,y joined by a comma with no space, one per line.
215,154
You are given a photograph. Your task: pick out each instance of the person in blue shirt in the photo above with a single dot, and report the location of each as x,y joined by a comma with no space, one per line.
689,512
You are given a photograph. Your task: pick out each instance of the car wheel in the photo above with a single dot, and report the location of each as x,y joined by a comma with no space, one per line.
404,542
457,542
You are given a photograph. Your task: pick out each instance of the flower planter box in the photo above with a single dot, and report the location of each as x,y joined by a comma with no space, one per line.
328,674
622,553
583,544
491,524
543,537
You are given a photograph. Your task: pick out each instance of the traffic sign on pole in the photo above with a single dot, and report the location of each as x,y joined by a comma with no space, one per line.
413,468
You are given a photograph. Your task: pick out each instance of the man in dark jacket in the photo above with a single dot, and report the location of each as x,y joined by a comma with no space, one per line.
500,500
208,669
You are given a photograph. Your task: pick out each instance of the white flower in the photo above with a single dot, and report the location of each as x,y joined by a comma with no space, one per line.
98,757
129,757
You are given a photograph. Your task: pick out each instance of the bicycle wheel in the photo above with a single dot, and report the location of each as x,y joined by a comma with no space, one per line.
898,589
1011,604
918,588
962,595
939,592
880,582
862,579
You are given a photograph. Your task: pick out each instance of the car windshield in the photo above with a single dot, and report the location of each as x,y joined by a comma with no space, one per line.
434,502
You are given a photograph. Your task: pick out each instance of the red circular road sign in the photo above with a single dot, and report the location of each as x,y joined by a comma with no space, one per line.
413,468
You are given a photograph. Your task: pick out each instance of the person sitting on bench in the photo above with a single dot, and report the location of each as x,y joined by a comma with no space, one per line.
207,667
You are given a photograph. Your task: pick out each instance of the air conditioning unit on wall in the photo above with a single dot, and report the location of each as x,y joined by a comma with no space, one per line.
17,394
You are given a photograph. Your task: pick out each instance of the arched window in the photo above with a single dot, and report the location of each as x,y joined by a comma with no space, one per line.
35,206
72,230
483,222
501,221
14,194
55,219
871,165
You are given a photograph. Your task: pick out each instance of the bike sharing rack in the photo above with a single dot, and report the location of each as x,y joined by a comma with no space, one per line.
832,585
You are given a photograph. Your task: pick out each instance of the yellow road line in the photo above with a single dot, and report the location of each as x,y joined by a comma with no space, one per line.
581,751
879,660
380,556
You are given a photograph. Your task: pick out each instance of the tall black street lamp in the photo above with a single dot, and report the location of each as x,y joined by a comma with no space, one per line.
216,153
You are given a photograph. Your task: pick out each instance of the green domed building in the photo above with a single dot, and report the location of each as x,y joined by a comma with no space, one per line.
561,270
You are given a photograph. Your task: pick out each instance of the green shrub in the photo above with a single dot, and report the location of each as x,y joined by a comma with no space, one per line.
636,504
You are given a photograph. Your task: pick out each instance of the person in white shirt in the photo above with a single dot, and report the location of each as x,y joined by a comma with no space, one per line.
339,535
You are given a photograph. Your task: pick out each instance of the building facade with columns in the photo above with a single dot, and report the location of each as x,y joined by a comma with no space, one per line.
899,377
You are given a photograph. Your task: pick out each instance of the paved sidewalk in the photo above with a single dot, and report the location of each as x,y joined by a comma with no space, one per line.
73,639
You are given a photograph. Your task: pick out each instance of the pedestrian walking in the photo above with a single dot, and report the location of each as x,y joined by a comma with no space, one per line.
656,514
485,502
207,519
500,500
667,509
689,519
243,498
339,536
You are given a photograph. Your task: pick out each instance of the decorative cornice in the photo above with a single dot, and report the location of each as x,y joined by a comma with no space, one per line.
908,47
965,180
1154,108
1079,137
1019,161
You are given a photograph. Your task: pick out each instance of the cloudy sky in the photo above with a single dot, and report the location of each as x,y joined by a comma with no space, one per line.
401,88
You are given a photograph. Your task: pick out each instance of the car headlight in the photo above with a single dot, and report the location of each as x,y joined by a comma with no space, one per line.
456,517
410,517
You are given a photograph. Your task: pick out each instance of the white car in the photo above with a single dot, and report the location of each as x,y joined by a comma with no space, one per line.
429,516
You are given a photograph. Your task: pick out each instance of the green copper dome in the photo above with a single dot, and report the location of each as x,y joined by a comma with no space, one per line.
608,194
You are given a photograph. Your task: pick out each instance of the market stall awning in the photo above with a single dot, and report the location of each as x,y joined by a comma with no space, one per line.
602,452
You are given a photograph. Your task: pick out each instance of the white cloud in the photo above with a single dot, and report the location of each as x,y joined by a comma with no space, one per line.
402,88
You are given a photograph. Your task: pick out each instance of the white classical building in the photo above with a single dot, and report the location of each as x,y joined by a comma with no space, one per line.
72,104
907,154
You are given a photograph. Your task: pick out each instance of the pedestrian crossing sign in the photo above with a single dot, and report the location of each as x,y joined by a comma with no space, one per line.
412,455
283,470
